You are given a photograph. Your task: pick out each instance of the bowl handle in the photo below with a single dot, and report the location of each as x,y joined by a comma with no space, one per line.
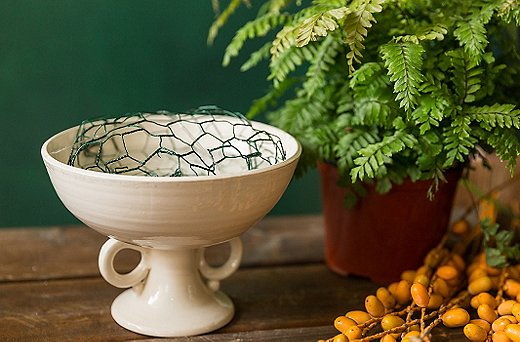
215,274
106,265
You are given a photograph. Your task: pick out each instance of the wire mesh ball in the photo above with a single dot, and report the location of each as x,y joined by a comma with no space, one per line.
202,142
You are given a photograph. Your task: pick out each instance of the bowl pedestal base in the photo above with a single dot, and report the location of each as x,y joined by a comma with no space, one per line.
168,297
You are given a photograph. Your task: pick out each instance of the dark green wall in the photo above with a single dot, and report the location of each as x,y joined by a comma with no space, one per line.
62,61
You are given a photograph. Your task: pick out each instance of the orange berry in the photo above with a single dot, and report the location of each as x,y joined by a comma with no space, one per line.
512,288
420,295
409,337
460,227
474,333
422,279
358,316
456,317
479,285
485,312
402,292
505,307
500,336
515,311
513,332
481,323
441,287
340,338
385,297
388,338
500,324
408,275
374,306
353,332
435,301
391,321
447,272
342,323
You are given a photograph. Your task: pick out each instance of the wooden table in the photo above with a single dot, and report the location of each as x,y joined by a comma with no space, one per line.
51,289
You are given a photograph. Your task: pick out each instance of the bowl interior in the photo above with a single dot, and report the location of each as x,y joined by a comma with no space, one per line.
174,145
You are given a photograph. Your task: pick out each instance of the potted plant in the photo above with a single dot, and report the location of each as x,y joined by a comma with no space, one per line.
389,97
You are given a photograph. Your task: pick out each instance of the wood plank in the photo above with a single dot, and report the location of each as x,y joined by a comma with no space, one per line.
286,335
265,298
71,252
277,300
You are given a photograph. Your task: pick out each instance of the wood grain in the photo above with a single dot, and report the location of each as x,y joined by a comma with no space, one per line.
71,252
266,298
50,288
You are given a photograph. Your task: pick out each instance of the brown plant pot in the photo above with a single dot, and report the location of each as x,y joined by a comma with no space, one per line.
383,235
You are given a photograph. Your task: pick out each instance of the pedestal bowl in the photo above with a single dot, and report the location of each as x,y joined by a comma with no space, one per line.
170,220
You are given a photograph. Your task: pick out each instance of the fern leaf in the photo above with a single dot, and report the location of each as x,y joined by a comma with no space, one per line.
273,7
357,22
320,64
270,99
222,19
319,25
510,11
506,144
258,27
466,75
428,113
430,32
364,73
458,141
404,62
503,116
256,57
373,157
287,61
471,35
285,39
299,115
350,143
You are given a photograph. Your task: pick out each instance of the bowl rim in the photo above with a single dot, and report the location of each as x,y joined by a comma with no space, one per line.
50,160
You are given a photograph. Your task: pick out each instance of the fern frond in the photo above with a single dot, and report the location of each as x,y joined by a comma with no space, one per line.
404,62
258,27
285,39
466,75
365,73
510,11
273,7
428,113
471,34
320,64
357,22
373,157
347,147
374,105
300,115
497,115
458,140
319,25
430,32
221,19
270,99
288,60
506,143
256,57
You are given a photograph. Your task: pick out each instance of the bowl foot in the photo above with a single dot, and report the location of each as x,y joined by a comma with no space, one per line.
166,318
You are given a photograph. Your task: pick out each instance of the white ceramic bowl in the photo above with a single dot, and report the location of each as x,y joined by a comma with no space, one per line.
165,212
169,220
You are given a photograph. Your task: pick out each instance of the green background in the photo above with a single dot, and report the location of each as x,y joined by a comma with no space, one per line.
63,61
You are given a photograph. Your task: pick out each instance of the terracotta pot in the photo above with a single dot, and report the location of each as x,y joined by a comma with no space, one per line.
383,235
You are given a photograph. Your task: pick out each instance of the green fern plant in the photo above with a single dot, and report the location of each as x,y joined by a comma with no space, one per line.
389,89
